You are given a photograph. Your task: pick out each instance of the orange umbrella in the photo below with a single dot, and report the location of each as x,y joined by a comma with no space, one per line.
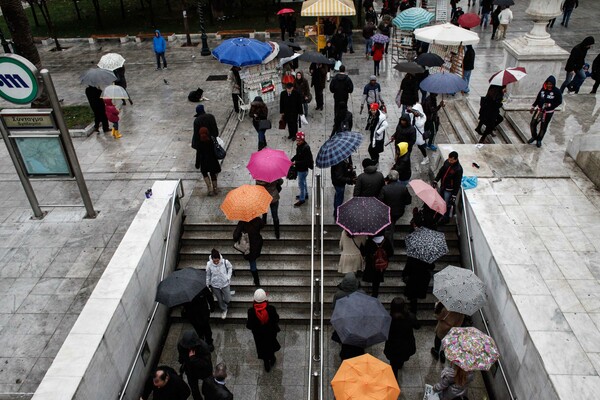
246,203
365,378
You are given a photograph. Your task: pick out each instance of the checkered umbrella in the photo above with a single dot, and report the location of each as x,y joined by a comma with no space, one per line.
412,18
380,38
459,289
470,349
337,148
363,216
426,245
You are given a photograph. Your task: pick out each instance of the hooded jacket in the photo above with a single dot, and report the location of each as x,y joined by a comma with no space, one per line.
369,183
303,158
341,86
218,276
347,286
159,43
396,197
418,121
402,164
406,133
577,56
342,173
112,113
450,177
410,90
548,99
301,85
377,124
371,93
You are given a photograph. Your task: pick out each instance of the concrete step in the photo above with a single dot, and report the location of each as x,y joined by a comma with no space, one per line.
469,117
461,130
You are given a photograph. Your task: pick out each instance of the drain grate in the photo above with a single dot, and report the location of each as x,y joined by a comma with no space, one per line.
352,71
216,78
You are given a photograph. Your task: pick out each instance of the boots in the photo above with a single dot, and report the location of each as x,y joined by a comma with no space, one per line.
215,188
256,278
276,227
116,133
209,185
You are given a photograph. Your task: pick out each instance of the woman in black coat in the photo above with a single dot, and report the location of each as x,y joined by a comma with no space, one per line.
416,275
401,339
340,43
252,228
263,321
489,111
206,159
410,92
368,250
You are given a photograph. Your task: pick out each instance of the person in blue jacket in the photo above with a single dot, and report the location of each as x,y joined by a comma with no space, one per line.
548,98
160,46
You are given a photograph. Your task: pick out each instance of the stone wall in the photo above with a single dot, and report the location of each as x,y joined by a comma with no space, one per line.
585,150
94,360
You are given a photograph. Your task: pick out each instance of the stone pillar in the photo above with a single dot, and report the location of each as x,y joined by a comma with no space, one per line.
537,52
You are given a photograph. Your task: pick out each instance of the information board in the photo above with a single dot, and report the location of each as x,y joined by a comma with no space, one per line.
42,156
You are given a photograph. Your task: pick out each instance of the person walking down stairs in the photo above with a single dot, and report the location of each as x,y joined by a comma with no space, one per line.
251,229
263,321
274,188
218,279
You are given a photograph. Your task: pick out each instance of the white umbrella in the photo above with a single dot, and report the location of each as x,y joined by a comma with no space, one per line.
111,61
288,59
273,54
446,34
114,92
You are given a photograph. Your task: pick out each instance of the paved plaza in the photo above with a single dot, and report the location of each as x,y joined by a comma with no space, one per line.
49,268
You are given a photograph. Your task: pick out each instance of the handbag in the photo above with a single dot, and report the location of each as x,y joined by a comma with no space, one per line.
430,394
220,152
264,124
282,124
243,245
303,119
292,173
337,65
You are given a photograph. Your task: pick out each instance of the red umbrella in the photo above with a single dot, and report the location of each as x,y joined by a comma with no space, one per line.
469,20
508,75
286,11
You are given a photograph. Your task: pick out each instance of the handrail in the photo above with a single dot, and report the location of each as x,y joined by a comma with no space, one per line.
167,239
465,218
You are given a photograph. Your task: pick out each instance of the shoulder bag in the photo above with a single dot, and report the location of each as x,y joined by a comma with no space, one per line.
243,245
220,152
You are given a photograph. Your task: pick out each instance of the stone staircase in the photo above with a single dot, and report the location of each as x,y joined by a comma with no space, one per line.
284,267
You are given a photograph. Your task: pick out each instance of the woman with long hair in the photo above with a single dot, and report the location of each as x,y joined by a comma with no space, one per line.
206,159
259,112
263,321
401,340
454,382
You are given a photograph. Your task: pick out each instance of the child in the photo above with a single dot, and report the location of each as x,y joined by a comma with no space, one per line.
112,114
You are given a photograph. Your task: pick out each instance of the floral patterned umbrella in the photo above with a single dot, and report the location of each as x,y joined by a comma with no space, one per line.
470,349
380,38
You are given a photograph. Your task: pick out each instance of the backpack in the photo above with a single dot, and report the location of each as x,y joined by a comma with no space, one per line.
381,258
195,95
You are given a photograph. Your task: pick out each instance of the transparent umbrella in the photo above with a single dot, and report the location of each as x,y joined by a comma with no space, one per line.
114,92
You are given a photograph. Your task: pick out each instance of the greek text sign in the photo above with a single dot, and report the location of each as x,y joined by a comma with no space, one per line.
28,119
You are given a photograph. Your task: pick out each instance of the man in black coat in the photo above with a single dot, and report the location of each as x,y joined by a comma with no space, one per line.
290,107
165,384
405,132
576,60
214,387
370,182
195,359
197,312
341,86
450,178
206,120
303,161
342,174
548,98
97,104
396,197
468,65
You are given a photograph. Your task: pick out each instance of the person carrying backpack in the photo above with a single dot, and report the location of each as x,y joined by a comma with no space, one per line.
377,252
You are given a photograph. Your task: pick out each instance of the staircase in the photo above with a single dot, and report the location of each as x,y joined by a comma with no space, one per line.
284,267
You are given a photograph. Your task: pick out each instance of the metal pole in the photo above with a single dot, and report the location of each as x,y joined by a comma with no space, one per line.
69,148
205,51
33,201
317,354
319,213
317,284
315,385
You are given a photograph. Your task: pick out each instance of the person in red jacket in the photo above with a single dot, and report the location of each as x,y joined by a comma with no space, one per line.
377,52
112,114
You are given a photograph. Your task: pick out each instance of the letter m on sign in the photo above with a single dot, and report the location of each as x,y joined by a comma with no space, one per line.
12,81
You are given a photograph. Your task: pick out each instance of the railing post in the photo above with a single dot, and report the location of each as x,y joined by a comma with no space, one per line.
317,311
318,213
316,378
317,354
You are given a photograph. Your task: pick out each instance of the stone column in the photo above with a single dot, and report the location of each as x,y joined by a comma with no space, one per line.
537,52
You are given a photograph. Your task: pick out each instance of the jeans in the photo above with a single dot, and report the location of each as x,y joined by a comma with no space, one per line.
369,44
447,195
485,20
262,139
160,56
223,296
539,136
252,265
577,82
338,199
569,78
302,185
467,78
350,43
305,108
566,16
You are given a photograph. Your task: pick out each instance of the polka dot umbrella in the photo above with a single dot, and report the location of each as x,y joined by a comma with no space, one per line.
363,216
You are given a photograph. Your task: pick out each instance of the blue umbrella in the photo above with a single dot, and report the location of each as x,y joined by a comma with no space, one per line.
443,83
412,18
337,148
241,52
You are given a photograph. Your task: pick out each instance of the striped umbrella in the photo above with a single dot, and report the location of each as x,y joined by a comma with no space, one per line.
413,18
508,75
325,8
337,148
380,38
459,290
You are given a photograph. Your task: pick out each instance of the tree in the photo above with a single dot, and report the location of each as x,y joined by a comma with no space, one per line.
149,2
20,32
77,9
43,5
96,4
33,13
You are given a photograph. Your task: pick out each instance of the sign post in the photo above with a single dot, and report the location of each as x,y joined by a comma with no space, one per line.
37,140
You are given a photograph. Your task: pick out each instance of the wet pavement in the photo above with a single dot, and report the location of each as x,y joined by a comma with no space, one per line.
49,268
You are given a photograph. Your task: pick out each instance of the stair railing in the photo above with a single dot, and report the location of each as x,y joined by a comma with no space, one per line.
464,219
315,337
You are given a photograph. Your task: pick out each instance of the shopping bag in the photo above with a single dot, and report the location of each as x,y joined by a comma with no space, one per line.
243,245
430,394
337,65
303,119
292,173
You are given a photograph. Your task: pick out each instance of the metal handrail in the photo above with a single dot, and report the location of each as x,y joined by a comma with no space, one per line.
465,219
167,240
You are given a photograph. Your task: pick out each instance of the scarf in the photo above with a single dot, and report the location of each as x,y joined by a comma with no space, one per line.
260,309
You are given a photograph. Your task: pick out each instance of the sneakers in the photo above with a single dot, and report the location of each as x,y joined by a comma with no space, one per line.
425,161
432,147
224,314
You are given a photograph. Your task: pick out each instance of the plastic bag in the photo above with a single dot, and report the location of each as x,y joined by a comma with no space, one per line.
469,182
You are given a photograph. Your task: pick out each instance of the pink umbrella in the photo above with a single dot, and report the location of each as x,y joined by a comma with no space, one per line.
286,11
429,195
269,164
508,75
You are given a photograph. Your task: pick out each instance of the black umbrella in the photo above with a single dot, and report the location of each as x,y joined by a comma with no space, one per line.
504,2
181,286
426,245
430,60
315,57
363,216
285,51
291,45
409,67
361,320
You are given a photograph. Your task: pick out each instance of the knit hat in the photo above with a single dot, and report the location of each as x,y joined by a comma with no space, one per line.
300,135
199,110
372,78
374,106
260,296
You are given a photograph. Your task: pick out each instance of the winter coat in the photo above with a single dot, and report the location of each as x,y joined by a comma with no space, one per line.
301,85
265,336
346,287
396,197
329,51
158,43
377,51
495,14
446,321
120,74
578,53
596,68
213,390
416,275
291,25
258,111
489,110
469,58
112,113
505,17
377,124
350,257
198,310
368,31
431,109
273,188
234,84
570,5
218,276
206,157
342,173
418,121
342,121
406,134
450,390
548,99
252,228
291,104
410,90
371,94
402,165
401,340
174,389
96,103
197,368
207,121
384,28
347,25
450,177
341,86
371,274
318,76
303,158
371,16
340,42
328,27
369,183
